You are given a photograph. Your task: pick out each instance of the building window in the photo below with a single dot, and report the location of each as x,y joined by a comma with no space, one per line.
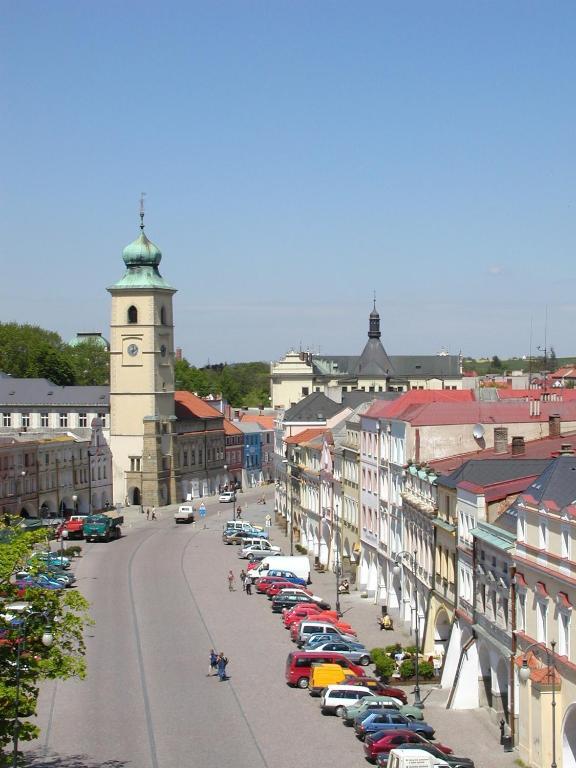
6,419
82,420
135,463
132,314
305,391
63,419
162,316
565,536
543,534
541,621
25,420
102,417
185,458
505,611
521,618
44,419
521,531
564,634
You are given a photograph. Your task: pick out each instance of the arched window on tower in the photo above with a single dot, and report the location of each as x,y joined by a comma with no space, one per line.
162,315
132,314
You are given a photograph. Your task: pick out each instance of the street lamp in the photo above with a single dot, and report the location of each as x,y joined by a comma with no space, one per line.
75,502
412,559
225,468
47,640
524,675
337,567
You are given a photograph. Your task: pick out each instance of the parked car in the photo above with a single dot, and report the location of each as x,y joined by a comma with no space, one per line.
382,742
52,559
299,666
355,712
264,583
299,612
379,688
335,698
287,601
314,641
276,587
259,550
288,575
65,578
237,536
227,497
452,760
294,589
316,625
26,581
384,720
357,655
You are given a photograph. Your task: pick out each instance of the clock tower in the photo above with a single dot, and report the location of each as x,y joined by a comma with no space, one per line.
142,379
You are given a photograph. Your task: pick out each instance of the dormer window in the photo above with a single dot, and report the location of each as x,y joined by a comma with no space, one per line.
132,314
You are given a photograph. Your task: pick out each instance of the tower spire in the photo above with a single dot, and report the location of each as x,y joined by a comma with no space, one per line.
374,325
142,196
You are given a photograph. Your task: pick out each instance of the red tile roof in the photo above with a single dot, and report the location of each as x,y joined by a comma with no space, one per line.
266,422
567,371
545,448
231,429
190,406
441,414
306,435
393,409
507,393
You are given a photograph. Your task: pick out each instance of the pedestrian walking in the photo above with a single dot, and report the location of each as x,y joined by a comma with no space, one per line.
222,663
243,579
213,668
248,585
230,581
148,513
238,513
153,513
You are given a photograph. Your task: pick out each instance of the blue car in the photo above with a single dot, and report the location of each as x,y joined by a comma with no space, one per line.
388,720
286,575
37,582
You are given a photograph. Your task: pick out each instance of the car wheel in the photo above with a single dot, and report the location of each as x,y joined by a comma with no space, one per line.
364,661
339,711
250,557
303,682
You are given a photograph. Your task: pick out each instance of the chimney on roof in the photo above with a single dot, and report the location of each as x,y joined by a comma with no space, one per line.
500,439
518,446
535,407
566,449
554,426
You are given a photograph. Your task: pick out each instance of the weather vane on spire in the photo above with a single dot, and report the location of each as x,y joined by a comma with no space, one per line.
142,196
374,299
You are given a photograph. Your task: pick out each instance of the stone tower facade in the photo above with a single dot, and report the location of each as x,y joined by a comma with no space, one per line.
142,379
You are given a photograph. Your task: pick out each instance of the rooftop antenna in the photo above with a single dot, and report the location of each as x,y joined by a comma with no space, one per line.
530,357
545,350
142,196
374,299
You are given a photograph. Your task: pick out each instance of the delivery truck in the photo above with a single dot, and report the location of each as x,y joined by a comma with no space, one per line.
299,565
103,527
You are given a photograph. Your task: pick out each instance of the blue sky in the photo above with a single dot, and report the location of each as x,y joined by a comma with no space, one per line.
296,156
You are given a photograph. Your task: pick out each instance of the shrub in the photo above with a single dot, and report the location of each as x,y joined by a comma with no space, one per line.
411,649
73,551
392,649
407,669
426,670
385,666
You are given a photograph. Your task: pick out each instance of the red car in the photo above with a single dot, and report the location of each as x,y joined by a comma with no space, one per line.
299,612
264,583
379,688
383,741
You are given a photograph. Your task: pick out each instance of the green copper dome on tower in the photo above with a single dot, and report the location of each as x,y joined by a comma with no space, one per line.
142,253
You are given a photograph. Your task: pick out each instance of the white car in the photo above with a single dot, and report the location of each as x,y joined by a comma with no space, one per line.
335,698
227,496
300,591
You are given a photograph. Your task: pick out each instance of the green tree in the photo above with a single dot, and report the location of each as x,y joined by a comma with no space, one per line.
66,611
89,362
552,360
496,363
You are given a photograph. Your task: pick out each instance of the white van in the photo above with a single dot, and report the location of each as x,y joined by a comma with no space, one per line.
241,525
414,758
299,565
184,514
336,698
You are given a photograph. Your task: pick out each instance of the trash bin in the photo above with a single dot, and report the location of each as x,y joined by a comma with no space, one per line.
507,744
384,609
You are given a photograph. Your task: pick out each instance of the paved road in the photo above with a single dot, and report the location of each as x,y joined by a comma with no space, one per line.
160,601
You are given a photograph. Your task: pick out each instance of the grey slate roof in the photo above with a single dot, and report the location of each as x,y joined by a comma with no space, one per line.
377,362
489,471
374,361
557,483
42,392
248,427
313,408
356,396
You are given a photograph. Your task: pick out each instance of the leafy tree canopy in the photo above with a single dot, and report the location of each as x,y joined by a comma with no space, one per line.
64,613
28,351
243,385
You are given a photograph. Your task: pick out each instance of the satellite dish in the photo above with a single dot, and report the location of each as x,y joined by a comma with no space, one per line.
478,431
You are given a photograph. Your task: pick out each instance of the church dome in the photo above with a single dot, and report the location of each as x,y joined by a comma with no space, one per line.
142,253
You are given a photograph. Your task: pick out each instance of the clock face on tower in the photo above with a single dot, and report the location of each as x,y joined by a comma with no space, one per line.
132,350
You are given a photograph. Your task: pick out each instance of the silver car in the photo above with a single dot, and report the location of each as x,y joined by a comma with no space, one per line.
356,655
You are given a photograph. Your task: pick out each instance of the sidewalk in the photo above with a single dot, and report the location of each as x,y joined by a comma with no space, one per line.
470,733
